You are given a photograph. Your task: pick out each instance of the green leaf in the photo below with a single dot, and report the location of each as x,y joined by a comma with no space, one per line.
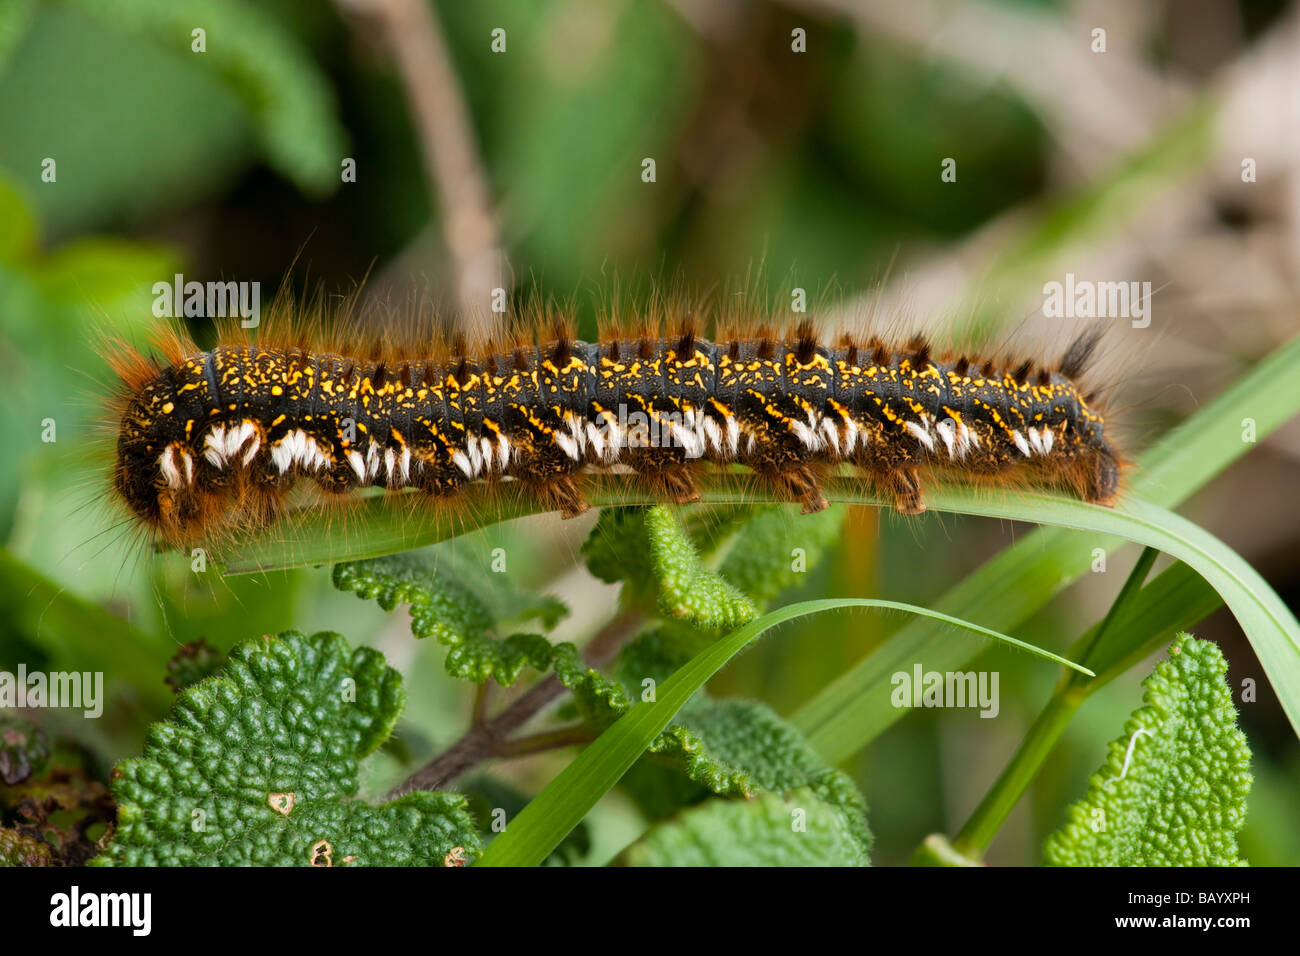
15,15
458,615
193,662
566,799
775,548
739,748
79,635
488,796
616,548
260,766
1173,789
725,747
1176,600
657,558
23,849
687,589
289,98
773,829
1006,590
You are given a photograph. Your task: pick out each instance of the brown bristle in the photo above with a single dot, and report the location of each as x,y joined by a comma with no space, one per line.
806,342
879,354
462,372
686,344
185,480
562,353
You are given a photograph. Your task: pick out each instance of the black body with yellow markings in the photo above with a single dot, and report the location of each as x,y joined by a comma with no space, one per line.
252,418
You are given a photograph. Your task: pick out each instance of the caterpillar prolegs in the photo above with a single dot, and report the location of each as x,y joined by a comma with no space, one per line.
211,440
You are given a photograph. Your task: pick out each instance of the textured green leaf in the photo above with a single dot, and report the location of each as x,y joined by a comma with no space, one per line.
1173,789
775,548
616,548
726,747
687,589
23,849
567,799
192,663
457,614
62,808
259,765
793,829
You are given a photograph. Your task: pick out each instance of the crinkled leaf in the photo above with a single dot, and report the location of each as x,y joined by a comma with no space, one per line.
259,765
651,553
738,748
58,808
459,615
192,663
773,551
600,699
23,849
687,589
616,548
24,749
1173,789
793,829
563,803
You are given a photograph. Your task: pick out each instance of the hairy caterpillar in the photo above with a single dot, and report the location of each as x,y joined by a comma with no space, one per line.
211,440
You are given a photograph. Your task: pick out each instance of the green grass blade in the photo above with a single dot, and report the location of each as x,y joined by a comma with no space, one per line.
1176,600
1184,461
1006,590
555,811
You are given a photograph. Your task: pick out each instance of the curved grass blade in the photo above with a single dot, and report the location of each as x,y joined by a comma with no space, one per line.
1010,587
555,811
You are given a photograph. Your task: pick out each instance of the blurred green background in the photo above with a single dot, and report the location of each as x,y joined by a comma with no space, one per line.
822,168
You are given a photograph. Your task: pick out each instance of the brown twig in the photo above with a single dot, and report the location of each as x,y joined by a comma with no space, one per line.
453,166
546,740
490,738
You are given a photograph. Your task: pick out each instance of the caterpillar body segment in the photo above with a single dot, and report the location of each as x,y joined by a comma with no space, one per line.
213,439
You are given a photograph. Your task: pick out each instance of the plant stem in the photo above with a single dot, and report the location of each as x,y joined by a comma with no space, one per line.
1070,693
482,701
489,738
546,740
993,810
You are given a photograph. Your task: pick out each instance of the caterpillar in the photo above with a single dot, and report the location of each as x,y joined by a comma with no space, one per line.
210,440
